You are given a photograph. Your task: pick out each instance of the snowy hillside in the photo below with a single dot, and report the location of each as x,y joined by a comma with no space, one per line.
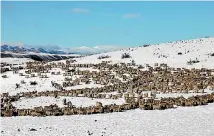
15,60
175,54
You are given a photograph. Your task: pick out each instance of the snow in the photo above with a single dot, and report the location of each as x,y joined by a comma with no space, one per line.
44,84
188,121
198,48
15,60
77,101
8,84
185,95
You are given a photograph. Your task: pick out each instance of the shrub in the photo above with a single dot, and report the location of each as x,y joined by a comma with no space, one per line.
180,53
140,67
146,45
164,56
190,62
4,76
212,54
133,63
103,57
125,55
33,83
32,129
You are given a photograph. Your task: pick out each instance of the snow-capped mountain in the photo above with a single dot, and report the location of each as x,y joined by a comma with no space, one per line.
39,54
23,50
58,50
15,49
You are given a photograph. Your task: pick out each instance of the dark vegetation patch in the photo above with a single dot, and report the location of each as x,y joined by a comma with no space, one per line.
190,62
180,53
140,67
36,58
146,45
125,55
103,57
33,129
33,83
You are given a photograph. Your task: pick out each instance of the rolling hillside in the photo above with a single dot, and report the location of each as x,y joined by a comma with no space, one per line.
175,54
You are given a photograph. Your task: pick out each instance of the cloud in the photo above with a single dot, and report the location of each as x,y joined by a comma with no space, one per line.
131,15
96,49
80,10
46,47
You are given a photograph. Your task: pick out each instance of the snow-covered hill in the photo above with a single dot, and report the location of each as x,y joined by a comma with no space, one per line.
175,54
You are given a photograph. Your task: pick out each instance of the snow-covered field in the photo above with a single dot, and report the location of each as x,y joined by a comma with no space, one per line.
77,101
188,121
185,121
44,84
9,84
15,60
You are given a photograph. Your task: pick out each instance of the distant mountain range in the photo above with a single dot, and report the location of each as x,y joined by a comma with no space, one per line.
39,54
24,50
49,49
